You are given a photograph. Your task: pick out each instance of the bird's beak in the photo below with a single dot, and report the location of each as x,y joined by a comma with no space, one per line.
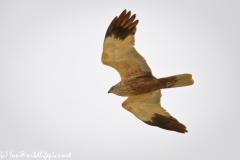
109,91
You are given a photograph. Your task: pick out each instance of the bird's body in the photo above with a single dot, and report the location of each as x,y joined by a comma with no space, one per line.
137,81
140,85
137,86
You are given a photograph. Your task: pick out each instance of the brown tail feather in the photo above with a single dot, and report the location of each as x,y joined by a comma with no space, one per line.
180,80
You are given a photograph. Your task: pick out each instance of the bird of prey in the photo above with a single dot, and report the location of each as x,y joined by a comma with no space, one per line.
137,81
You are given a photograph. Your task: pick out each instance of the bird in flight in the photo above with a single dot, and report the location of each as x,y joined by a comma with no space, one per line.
137,81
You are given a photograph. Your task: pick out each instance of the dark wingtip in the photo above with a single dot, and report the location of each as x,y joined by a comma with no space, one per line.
122,26
168,123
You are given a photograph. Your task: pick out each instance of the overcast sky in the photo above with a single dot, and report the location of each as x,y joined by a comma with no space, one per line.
53,86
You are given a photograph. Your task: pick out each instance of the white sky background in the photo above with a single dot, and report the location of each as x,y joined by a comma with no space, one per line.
53,86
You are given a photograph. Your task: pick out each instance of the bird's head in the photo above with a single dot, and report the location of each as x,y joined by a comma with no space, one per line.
111,90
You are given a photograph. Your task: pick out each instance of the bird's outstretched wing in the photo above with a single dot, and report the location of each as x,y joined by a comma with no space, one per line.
118,48
147,108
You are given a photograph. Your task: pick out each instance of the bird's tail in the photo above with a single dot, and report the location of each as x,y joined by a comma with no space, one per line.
180,80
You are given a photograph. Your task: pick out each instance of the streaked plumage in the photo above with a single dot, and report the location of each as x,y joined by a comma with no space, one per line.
137,81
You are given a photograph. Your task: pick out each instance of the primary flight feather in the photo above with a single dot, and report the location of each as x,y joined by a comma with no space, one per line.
137,81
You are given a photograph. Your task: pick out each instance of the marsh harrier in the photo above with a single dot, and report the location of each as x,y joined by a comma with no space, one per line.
137,81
